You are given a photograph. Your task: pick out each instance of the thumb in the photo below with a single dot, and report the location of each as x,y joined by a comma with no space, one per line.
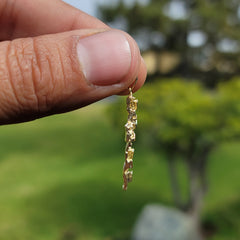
61,72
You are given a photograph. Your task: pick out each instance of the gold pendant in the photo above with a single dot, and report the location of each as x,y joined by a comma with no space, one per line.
130,137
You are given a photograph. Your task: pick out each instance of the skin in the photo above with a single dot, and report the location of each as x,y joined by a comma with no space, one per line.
39,70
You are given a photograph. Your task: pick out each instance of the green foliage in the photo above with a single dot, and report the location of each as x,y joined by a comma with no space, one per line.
184,116
158,27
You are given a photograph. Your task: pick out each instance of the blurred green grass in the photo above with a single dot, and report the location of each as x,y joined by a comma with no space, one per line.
60,179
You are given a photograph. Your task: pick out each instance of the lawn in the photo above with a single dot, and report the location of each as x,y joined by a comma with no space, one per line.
60,179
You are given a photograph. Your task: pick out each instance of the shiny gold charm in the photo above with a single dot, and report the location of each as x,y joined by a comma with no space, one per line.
130,137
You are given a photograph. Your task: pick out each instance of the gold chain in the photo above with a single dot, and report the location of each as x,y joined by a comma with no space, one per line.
130,137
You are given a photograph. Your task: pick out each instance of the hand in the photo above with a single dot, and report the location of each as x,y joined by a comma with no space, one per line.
55,58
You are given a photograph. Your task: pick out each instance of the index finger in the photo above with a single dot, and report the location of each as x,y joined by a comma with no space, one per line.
24,18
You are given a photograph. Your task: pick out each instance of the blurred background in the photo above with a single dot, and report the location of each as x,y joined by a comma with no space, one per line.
61,176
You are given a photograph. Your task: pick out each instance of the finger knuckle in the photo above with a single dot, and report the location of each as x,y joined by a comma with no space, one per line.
52,63
21,65
36,73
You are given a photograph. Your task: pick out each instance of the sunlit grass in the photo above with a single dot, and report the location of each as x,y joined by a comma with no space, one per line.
60,179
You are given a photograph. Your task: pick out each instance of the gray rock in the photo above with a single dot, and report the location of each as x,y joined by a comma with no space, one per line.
157,222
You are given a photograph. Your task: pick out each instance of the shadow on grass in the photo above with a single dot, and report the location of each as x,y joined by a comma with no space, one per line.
224,222
100,208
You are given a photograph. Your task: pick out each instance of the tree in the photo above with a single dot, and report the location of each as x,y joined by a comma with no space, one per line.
183,118
203,34
187,121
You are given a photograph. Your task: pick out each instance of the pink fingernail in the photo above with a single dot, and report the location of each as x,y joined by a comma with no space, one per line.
105,57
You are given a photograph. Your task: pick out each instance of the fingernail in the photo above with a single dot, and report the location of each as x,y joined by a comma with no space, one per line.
105,57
